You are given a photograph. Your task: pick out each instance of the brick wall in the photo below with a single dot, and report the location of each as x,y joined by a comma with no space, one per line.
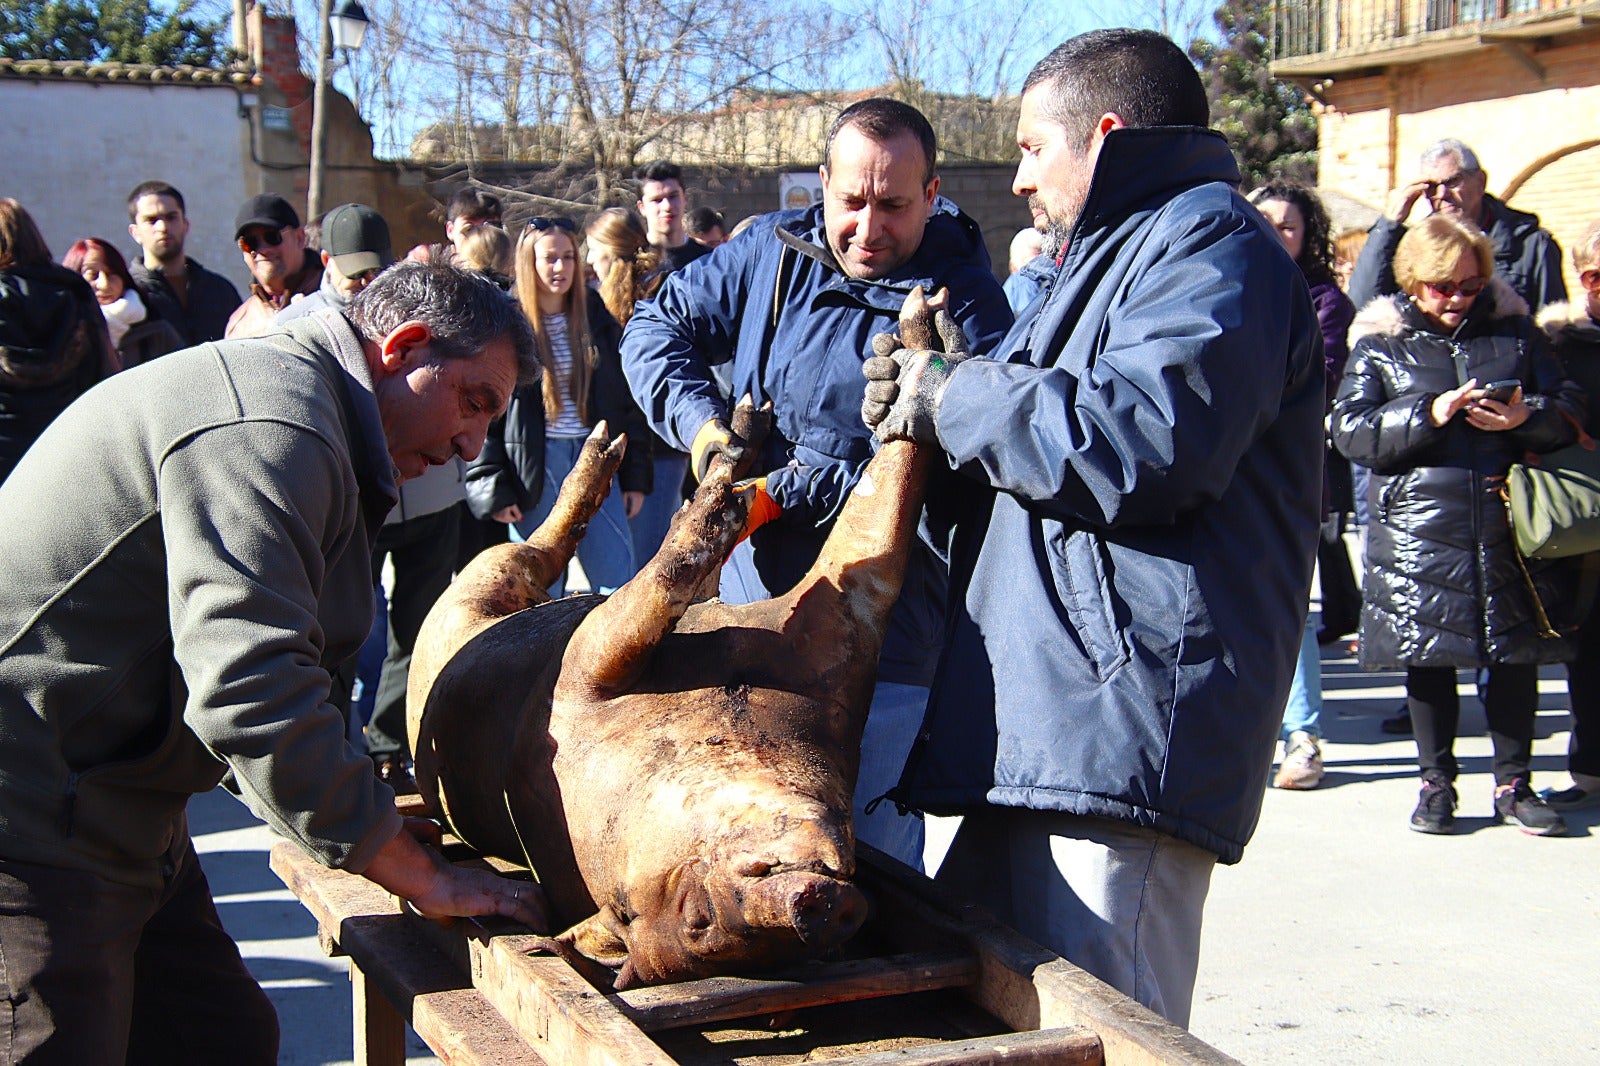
1375,128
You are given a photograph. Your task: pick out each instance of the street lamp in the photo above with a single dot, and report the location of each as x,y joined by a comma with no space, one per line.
349,25
344,29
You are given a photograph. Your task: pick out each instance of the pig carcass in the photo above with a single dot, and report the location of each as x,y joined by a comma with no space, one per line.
678,773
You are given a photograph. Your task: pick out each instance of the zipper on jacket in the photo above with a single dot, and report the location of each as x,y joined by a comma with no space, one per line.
69,809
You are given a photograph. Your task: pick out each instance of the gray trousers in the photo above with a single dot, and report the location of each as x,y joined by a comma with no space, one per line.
92,971
1123,903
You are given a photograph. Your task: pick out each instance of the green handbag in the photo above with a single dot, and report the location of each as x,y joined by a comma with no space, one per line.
1554,501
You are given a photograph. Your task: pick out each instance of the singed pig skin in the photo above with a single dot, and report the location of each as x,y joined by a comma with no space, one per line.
678,773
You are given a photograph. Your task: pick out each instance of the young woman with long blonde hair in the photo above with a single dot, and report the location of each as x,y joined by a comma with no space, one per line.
582,384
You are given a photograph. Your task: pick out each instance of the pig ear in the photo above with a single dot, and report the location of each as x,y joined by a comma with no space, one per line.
600,937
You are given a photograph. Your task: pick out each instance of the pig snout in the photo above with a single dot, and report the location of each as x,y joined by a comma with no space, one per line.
823,911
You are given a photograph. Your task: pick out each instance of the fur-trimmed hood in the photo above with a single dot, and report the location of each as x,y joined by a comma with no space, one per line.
1569,321
1389,316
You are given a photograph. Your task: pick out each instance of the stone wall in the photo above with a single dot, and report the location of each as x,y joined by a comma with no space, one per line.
75,148
984,192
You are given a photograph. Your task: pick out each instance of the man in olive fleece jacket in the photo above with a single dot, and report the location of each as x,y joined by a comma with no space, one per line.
187,559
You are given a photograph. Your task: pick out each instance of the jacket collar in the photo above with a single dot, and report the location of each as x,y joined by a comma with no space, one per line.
304,283
1393,315
1570,320
950,237
329,331
1149,164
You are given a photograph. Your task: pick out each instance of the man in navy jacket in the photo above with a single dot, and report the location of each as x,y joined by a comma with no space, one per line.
786,312
1136,518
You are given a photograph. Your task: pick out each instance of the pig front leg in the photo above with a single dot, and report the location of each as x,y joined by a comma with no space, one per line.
613,645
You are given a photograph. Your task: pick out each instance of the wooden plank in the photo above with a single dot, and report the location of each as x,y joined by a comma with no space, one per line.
1024,985
400,966
1070,1046
380,1031
561,1016
723,998
330,896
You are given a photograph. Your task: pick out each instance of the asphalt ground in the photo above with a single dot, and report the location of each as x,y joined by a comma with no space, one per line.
1342,937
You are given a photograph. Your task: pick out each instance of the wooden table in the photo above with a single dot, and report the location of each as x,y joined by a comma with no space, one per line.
930,981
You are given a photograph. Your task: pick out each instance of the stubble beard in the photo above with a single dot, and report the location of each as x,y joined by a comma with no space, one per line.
1058,225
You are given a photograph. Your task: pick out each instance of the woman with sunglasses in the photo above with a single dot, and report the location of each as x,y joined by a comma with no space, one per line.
582,384
1445,587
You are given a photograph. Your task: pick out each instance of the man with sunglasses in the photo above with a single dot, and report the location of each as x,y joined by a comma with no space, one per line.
273,244
1454,183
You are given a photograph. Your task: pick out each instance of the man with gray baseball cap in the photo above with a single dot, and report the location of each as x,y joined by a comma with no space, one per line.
355,249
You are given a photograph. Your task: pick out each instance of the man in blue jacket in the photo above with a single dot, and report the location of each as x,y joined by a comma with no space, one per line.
786,312
1137,514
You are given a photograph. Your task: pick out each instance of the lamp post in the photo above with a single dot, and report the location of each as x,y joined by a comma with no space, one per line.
345,29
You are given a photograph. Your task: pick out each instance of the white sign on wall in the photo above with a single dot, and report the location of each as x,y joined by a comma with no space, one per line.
799,189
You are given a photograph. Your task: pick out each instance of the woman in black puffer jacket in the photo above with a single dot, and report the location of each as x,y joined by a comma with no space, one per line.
1445,588
53,340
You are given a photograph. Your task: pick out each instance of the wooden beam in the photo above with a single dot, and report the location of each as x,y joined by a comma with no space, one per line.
561,1016
1050,1047
380,1031
723,998
400,967
1519,52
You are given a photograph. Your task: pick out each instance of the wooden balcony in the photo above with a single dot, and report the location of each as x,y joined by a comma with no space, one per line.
1323,38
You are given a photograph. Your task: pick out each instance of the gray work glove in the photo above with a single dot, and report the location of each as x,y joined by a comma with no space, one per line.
905,386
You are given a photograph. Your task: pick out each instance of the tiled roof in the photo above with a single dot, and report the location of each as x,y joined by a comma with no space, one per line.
79,70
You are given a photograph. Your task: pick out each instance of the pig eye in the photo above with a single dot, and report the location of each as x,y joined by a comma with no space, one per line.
755,868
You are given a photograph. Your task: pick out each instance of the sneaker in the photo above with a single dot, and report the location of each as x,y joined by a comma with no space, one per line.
1436,807
1398,725
1516,803
1301,769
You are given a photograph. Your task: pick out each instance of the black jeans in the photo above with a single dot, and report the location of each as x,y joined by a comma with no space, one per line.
1510,703
423,553
92,971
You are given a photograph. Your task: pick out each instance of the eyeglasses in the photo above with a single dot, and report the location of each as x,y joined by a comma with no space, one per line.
254,242
1447,289
541,223
1452,183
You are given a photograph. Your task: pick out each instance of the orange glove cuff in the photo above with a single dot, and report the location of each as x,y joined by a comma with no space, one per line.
763,509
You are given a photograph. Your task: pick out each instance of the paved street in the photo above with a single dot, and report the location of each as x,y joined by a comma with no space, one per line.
1341,938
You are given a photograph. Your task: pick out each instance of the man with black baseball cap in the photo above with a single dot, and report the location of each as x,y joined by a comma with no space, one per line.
274,247
355,248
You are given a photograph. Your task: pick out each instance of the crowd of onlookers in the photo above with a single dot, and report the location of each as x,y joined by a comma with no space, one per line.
1452,353
1419,315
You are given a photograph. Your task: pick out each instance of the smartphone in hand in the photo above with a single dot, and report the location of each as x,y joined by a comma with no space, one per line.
1501,391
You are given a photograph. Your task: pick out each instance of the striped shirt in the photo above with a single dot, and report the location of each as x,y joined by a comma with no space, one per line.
570,422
